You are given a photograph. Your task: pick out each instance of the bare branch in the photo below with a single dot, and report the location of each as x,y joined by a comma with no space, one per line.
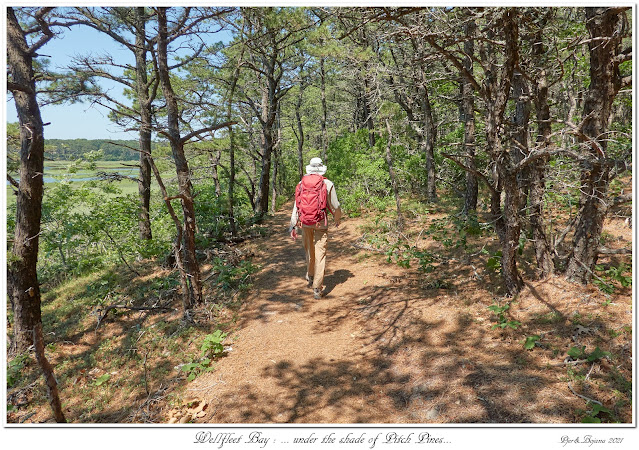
44,27
468,169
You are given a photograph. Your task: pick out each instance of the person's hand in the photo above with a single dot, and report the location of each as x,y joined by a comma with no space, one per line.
294,234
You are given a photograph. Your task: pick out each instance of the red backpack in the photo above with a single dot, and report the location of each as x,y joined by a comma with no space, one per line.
310,198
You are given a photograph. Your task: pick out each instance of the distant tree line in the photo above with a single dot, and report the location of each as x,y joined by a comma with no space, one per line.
72,149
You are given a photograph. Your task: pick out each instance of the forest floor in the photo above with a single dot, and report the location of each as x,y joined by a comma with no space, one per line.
388,343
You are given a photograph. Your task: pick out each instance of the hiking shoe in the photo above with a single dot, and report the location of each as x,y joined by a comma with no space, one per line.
317,293
309,279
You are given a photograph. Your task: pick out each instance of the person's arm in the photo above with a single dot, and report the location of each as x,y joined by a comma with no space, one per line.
293,224
335,206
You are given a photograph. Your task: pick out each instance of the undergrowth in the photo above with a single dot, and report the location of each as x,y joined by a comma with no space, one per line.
441,249
125,366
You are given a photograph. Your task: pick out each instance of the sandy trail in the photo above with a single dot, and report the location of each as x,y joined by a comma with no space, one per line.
297,359
384,346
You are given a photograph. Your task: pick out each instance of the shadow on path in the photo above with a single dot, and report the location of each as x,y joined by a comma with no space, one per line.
338,277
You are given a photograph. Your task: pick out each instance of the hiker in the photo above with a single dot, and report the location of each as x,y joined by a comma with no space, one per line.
314,197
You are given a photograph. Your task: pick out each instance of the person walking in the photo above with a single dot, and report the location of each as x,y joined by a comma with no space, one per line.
315,196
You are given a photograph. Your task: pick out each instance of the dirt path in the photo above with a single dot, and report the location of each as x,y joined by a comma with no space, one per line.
380,347
297,359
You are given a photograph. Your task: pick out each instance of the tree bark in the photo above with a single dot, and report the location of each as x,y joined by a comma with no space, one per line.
543,253
144,183
214,159
177,243
300,128
268,120
277,151
181,164
21,268
468,118
507,220
49,377
231,190
393,178
324,109
22,276
367,113
520,146
428,140
270,100
603,25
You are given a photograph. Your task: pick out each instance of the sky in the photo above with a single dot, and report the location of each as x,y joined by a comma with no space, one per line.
81,120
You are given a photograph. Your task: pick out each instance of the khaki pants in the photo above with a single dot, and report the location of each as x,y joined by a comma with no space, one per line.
314,241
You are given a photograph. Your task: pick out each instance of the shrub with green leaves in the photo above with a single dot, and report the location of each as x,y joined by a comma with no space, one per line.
596,414
211,349
14,369
212,345
359,172
531,341
580,353
502,320
606,281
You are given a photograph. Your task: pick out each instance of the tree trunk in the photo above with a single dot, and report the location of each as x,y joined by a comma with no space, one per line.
269,110
393,179
261,202
300,130
232,225
214,159
507,221
511,232
181,164
229,116
21,268
603,26
368,115
277,151
22,276
177,243
543,253
428,141
144,183
521,119
468,118
324,109
49,377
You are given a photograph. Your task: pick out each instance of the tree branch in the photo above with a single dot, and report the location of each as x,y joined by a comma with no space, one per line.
468,169
13,181
11,86
207,129
44,27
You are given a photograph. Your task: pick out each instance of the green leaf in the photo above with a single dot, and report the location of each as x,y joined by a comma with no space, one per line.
493,263
191,376
597,408
576,352
589,419
529,344
103,379
188,367
597,354
513,324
